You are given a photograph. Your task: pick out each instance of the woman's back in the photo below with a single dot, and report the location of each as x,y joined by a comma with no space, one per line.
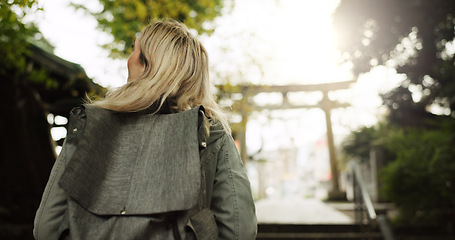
155,152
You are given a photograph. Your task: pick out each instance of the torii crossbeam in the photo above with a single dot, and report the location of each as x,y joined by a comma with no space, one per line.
325,104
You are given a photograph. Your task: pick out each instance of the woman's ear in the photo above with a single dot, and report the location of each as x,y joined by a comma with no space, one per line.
143,60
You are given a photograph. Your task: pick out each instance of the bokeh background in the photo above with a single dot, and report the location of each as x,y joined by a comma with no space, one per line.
313,88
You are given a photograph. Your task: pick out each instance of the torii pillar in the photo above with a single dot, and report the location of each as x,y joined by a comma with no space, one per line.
327,106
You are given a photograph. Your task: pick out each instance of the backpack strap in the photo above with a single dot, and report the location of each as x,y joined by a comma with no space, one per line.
201,219
203,135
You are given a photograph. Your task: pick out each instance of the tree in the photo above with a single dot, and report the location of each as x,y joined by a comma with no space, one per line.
415,37
420,179
123,19
13,34
419,173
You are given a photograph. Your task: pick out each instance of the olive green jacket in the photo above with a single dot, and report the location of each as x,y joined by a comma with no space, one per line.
228,193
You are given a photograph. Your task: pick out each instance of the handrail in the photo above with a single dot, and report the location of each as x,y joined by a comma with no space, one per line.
365,196
381,219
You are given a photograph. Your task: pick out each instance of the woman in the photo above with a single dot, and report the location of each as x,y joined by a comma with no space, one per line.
168,77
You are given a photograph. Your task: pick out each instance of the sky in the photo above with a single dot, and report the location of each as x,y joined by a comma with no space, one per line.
283,36
274,42
75,36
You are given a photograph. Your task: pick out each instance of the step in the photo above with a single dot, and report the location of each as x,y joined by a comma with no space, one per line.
316,231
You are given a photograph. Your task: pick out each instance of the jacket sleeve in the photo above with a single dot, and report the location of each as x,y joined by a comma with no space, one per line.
232,201
50,216
52,208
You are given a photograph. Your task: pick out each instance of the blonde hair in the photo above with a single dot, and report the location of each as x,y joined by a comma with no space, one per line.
176,67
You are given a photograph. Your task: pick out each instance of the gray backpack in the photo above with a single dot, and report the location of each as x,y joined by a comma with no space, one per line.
137,176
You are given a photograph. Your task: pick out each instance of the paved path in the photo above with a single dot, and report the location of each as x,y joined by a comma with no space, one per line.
299,211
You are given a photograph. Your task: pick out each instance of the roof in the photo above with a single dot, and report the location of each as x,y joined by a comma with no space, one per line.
72,82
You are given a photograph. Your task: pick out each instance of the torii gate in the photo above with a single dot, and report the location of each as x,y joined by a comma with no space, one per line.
325,104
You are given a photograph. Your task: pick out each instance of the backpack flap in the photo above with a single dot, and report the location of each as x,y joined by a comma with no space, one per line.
131,164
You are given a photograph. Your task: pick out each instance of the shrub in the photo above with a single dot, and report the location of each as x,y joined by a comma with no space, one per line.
421,179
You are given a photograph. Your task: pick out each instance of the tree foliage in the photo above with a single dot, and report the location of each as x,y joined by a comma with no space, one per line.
359,143
419,176
13,35
421,180
415,37
123,19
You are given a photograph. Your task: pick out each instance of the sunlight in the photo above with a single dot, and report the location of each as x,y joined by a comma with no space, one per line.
291,41
305,43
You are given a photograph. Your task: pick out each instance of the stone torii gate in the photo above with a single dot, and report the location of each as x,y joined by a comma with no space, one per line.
325,104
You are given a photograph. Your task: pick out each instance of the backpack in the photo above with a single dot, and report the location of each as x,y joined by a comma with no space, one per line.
137,176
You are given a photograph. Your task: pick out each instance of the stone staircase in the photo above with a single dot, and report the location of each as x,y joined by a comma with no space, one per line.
349,232
317,231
